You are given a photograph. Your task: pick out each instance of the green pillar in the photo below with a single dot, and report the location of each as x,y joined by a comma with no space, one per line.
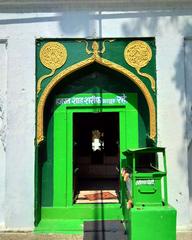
59,171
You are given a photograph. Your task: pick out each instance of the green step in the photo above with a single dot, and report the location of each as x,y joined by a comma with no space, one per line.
84,211
56,226
70,220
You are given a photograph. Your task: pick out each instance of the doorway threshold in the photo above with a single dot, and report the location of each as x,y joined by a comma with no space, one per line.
69,220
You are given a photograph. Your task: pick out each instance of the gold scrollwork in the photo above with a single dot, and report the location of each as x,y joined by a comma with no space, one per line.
53,55
49,87
138,54
141,86
82,64
95,47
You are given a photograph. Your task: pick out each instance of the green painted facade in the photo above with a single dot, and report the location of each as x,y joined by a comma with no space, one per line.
57,190
91,89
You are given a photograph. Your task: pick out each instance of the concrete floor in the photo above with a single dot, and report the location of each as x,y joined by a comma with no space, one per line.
31,236
184,235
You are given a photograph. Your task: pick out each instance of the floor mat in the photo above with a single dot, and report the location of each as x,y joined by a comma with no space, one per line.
101,195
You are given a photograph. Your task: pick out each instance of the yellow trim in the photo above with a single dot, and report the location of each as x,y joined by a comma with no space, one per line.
49,87
140,85
138,54
82,64
53,55
43,78
151,79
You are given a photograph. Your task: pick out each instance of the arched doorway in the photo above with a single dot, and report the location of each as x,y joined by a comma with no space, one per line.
91,99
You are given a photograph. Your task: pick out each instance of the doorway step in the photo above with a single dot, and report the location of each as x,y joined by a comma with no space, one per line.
70,220
104,230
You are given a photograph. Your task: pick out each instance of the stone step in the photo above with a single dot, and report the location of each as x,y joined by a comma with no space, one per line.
107,225
104,230
104,236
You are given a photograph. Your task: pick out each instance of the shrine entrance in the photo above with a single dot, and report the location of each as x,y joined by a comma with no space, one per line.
96,157
95,100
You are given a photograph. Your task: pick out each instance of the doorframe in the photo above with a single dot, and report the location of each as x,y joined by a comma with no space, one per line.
121,112
63,153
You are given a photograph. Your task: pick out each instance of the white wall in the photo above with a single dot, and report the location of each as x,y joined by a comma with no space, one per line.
3,125
188,74
24,26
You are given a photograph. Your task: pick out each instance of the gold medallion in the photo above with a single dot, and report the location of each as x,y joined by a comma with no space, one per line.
53,55
138,54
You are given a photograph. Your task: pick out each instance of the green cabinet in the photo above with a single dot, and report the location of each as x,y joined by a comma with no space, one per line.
147,168
151,217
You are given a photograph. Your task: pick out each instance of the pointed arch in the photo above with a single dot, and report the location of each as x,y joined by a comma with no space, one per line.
136,80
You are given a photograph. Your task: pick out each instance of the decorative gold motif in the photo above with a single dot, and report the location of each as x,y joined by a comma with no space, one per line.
141,86
82,64
49,87
95,47
138,54
53,55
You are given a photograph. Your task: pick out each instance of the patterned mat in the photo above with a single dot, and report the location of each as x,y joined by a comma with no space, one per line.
101,195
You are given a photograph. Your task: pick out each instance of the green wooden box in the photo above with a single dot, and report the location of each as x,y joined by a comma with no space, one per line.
148,182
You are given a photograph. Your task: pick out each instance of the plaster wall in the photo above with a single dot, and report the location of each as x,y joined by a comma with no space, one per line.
20,27
188,74
3,125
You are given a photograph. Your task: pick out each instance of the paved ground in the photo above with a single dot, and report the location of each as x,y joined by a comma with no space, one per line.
31,236
184,236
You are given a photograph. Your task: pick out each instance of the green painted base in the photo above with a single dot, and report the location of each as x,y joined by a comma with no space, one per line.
152,223
54,226
70,220
48,226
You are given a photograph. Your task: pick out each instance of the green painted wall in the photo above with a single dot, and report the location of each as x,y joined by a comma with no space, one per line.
58,213
93,79
114,51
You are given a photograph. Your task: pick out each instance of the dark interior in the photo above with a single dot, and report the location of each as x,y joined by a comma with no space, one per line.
96,170
146,162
